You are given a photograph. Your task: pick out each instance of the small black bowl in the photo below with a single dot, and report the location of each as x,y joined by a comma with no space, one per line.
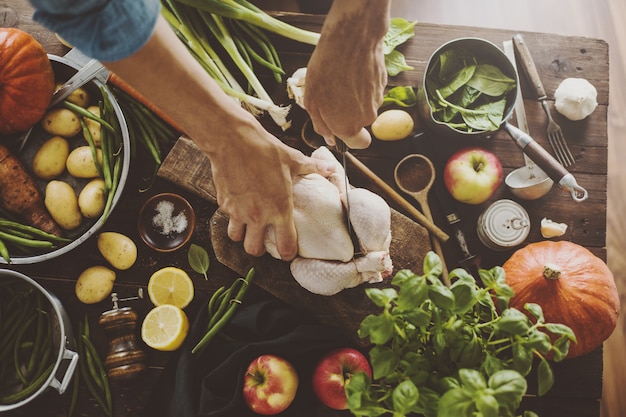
166,222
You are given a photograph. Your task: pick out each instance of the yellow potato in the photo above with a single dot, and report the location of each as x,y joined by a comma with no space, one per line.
80,163
93,126
62,204
92,198
61,122
118,249
94,284
49,161
394,124
80,96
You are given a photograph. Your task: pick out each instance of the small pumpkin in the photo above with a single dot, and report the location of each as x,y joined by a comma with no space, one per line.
26,81
573,287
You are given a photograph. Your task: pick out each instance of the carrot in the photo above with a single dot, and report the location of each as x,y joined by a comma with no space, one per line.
20,196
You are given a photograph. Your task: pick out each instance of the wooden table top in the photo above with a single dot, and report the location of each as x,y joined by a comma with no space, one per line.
578,386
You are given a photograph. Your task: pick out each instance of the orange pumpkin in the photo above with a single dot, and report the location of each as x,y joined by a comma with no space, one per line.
573,287
26,81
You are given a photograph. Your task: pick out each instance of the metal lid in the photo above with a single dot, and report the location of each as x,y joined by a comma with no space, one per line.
503,225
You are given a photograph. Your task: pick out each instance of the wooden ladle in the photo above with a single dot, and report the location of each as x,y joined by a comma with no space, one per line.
415,175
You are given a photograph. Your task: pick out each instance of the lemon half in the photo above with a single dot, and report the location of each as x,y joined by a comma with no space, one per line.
170,285
165,327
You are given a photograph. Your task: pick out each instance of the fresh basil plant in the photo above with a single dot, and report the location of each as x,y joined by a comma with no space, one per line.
456,351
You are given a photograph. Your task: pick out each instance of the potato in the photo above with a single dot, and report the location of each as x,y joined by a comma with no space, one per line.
94,284
118,249
49,161
93,126
80,163
92,198
80,96
61,122
393,124
62,204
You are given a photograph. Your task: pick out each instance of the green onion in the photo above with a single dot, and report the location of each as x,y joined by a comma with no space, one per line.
245,11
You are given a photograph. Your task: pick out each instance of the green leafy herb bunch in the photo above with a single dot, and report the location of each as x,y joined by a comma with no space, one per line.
455,351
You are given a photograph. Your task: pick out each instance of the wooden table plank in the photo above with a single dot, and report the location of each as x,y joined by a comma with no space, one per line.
578,382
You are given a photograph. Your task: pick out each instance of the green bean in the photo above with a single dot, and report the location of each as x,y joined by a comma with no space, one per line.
16,349
86,113
75,389
38,344
92,389
216,295
18,396
31,243
4,251
232,307
92,147
17,320
100,374
13,226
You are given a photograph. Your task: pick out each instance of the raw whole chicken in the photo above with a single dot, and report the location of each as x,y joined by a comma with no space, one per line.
327,262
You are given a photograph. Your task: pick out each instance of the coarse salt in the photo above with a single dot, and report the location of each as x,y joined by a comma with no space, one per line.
166,222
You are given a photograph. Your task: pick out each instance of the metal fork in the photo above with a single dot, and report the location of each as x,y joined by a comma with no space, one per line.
556,138
555,134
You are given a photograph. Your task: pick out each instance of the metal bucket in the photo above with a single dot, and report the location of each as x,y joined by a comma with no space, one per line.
64,68
65,359
486,52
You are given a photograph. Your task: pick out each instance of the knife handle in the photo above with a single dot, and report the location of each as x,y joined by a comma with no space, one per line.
529,66
537,153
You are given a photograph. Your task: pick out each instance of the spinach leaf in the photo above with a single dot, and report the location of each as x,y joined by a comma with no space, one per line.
400,30
467,93
395,62
489,80
401,96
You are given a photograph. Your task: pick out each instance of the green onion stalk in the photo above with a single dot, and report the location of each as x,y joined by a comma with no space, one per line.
195,22
247,12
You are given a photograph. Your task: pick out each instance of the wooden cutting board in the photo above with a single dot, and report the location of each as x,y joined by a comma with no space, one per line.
189,168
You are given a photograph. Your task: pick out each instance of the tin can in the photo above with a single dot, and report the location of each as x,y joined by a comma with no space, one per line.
503,225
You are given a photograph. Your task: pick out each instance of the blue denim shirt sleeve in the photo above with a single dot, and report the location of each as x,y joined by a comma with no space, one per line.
107,30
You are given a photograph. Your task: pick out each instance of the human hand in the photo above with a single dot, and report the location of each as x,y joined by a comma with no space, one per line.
253,178
346,75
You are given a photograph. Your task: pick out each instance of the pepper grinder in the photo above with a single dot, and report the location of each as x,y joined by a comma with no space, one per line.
125,359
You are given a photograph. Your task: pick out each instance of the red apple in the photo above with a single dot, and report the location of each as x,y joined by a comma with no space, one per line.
472,175
332,373
270,385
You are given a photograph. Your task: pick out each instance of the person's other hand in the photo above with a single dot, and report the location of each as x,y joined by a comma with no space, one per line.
253,176
346,74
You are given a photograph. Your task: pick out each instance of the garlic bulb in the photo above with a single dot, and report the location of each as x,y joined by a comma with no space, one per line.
575,98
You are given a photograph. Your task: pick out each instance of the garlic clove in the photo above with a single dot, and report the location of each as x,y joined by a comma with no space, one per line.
550,228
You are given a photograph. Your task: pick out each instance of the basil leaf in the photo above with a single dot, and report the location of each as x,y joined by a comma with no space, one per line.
509,386
384,361
404,397
198,259
545,377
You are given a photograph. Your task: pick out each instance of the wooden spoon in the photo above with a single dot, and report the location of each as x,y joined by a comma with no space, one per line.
415,175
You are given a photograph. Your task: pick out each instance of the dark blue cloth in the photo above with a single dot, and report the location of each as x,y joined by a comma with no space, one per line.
212,384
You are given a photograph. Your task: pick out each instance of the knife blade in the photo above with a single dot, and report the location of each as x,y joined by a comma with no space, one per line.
343,148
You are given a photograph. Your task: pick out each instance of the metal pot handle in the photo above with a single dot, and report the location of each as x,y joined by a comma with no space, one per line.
62,385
